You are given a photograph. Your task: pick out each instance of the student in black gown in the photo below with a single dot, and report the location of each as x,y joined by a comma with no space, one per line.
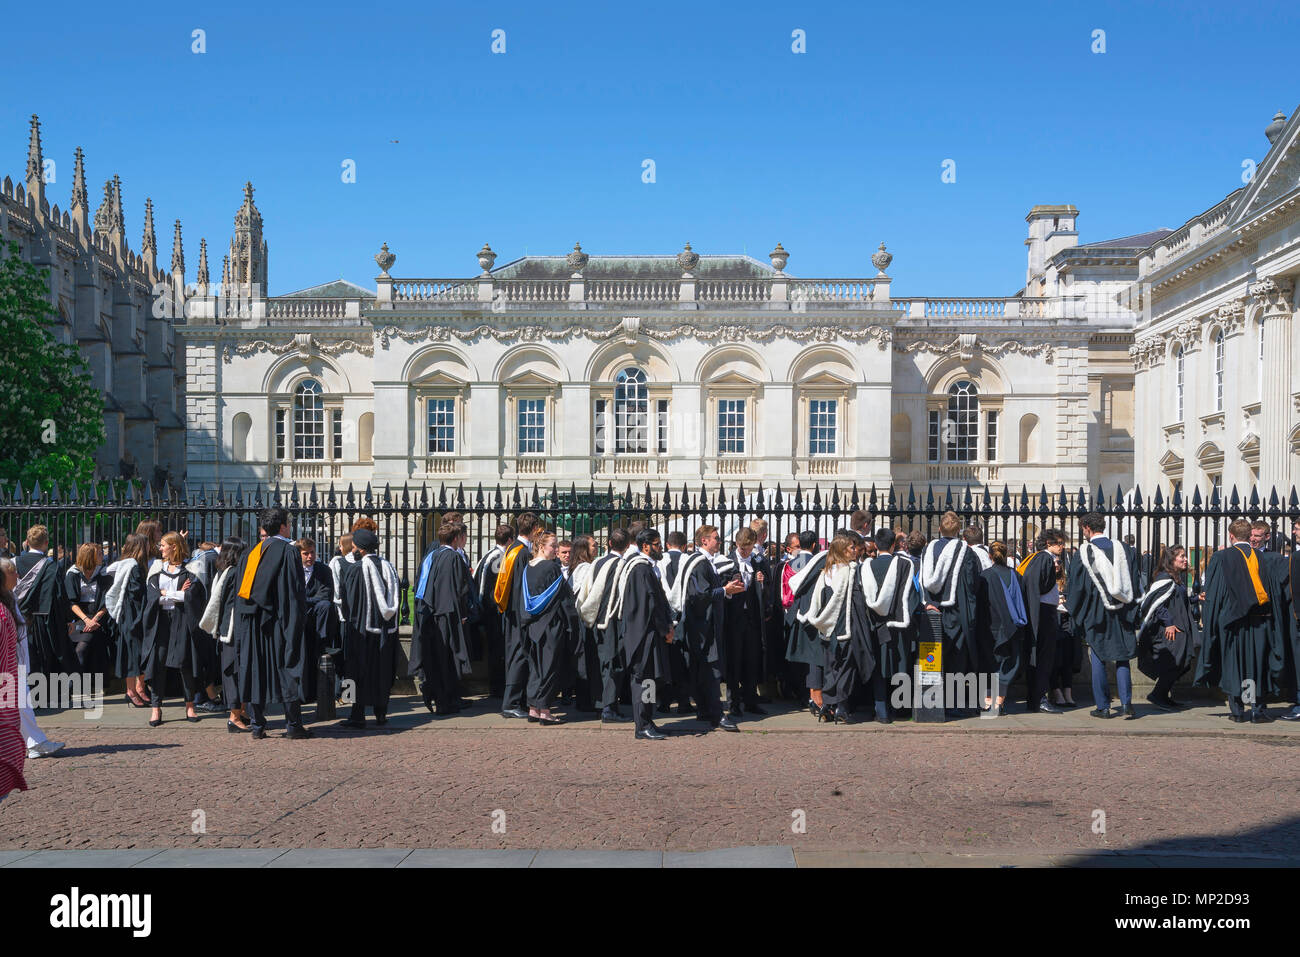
491,622
550,622
582,556
1103,581
803,645
40,599
950,575
219,622
1002,604
1291,646
698,596
645,628
742,657
889,589
1244,623
1042,600
370,600
268,627
832,614
125,602
320,623
172,639
86,586
1069,647
1169,634
508,599
595,610
669,568
342,566
440,641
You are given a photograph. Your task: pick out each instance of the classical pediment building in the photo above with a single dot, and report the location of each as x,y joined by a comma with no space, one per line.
679,369
1216,356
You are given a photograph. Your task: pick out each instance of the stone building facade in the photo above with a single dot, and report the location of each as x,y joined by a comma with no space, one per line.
1216,354
104,295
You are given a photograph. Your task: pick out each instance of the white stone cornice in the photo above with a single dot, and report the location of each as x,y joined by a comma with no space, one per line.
967,344
510,332
306,344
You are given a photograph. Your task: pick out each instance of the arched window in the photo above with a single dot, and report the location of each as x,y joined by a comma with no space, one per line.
963,422
631,411
1178,383
1218,371
308,421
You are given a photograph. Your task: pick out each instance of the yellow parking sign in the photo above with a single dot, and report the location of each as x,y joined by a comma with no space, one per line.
931,657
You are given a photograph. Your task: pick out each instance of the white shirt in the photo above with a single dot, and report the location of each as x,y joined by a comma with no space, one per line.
171,595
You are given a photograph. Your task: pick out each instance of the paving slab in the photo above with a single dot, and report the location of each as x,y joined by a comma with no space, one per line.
598,859
732,857
469,858
85,858
844,858
215,857
8,857
341,857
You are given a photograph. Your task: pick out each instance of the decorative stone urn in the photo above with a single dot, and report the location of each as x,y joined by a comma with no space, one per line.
486,257
577,260
779,257
881,259
688,260
384,259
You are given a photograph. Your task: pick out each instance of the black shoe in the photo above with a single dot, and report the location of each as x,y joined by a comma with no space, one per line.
1292,715
430,705
549,721
724,724
296,732
813,710
358,725
611,714
651,733
842,715
1129,713
381,721
887,718
1179,705
1238,719
662,708
234,728
737,711
756,709
514,713
153,723
1046,707
1162,703
258,734
533,719
211,707
191,718
1101,713
1261,717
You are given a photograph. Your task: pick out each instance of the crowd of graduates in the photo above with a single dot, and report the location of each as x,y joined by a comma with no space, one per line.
654,623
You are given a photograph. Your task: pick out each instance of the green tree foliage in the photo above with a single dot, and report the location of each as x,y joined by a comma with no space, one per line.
51,414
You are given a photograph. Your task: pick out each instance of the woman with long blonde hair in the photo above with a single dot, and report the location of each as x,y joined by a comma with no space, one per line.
175,603
831,614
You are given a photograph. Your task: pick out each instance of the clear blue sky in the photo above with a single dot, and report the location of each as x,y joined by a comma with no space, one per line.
829,151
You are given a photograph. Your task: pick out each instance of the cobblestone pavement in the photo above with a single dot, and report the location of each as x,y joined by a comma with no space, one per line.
1030,784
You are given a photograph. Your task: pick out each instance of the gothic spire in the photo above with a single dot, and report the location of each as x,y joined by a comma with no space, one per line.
35,161
118,216
80,208
203,267
104,215
149,244
178,254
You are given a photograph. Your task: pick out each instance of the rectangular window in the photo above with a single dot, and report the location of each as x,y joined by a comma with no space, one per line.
822,414
731,426
442,426
601,406
661,425
337,423
991,437
309,431
279,434
934,436
532,426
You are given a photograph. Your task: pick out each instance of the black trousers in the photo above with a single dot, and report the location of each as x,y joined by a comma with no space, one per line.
744,660
494,640
611,666
292,715
516,657
1039,678
158,682
643,711
705,679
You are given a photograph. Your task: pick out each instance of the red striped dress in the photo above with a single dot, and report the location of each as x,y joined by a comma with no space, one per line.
13,750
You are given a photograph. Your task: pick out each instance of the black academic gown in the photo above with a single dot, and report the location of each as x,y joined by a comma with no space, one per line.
702,619
95,657
742,658
894,646
440,641
608,647
1110,634
677,651
1157,655
1002,602
320,623
485,582
268,626
645,621
1242,640
347,633
172,637
803,646
373,663
1291,646
228,651
551,627
128,627
959,620
44,608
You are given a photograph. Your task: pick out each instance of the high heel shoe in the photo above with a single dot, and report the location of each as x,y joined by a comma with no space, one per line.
154,722
191,717
234,728
135,702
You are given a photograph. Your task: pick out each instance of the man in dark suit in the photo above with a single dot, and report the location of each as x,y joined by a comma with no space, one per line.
319,619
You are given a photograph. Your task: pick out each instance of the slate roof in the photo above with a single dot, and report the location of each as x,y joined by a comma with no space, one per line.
338,289
1137,241
634,267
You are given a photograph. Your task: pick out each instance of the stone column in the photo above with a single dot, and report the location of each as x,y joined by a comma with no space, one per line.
1275,404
